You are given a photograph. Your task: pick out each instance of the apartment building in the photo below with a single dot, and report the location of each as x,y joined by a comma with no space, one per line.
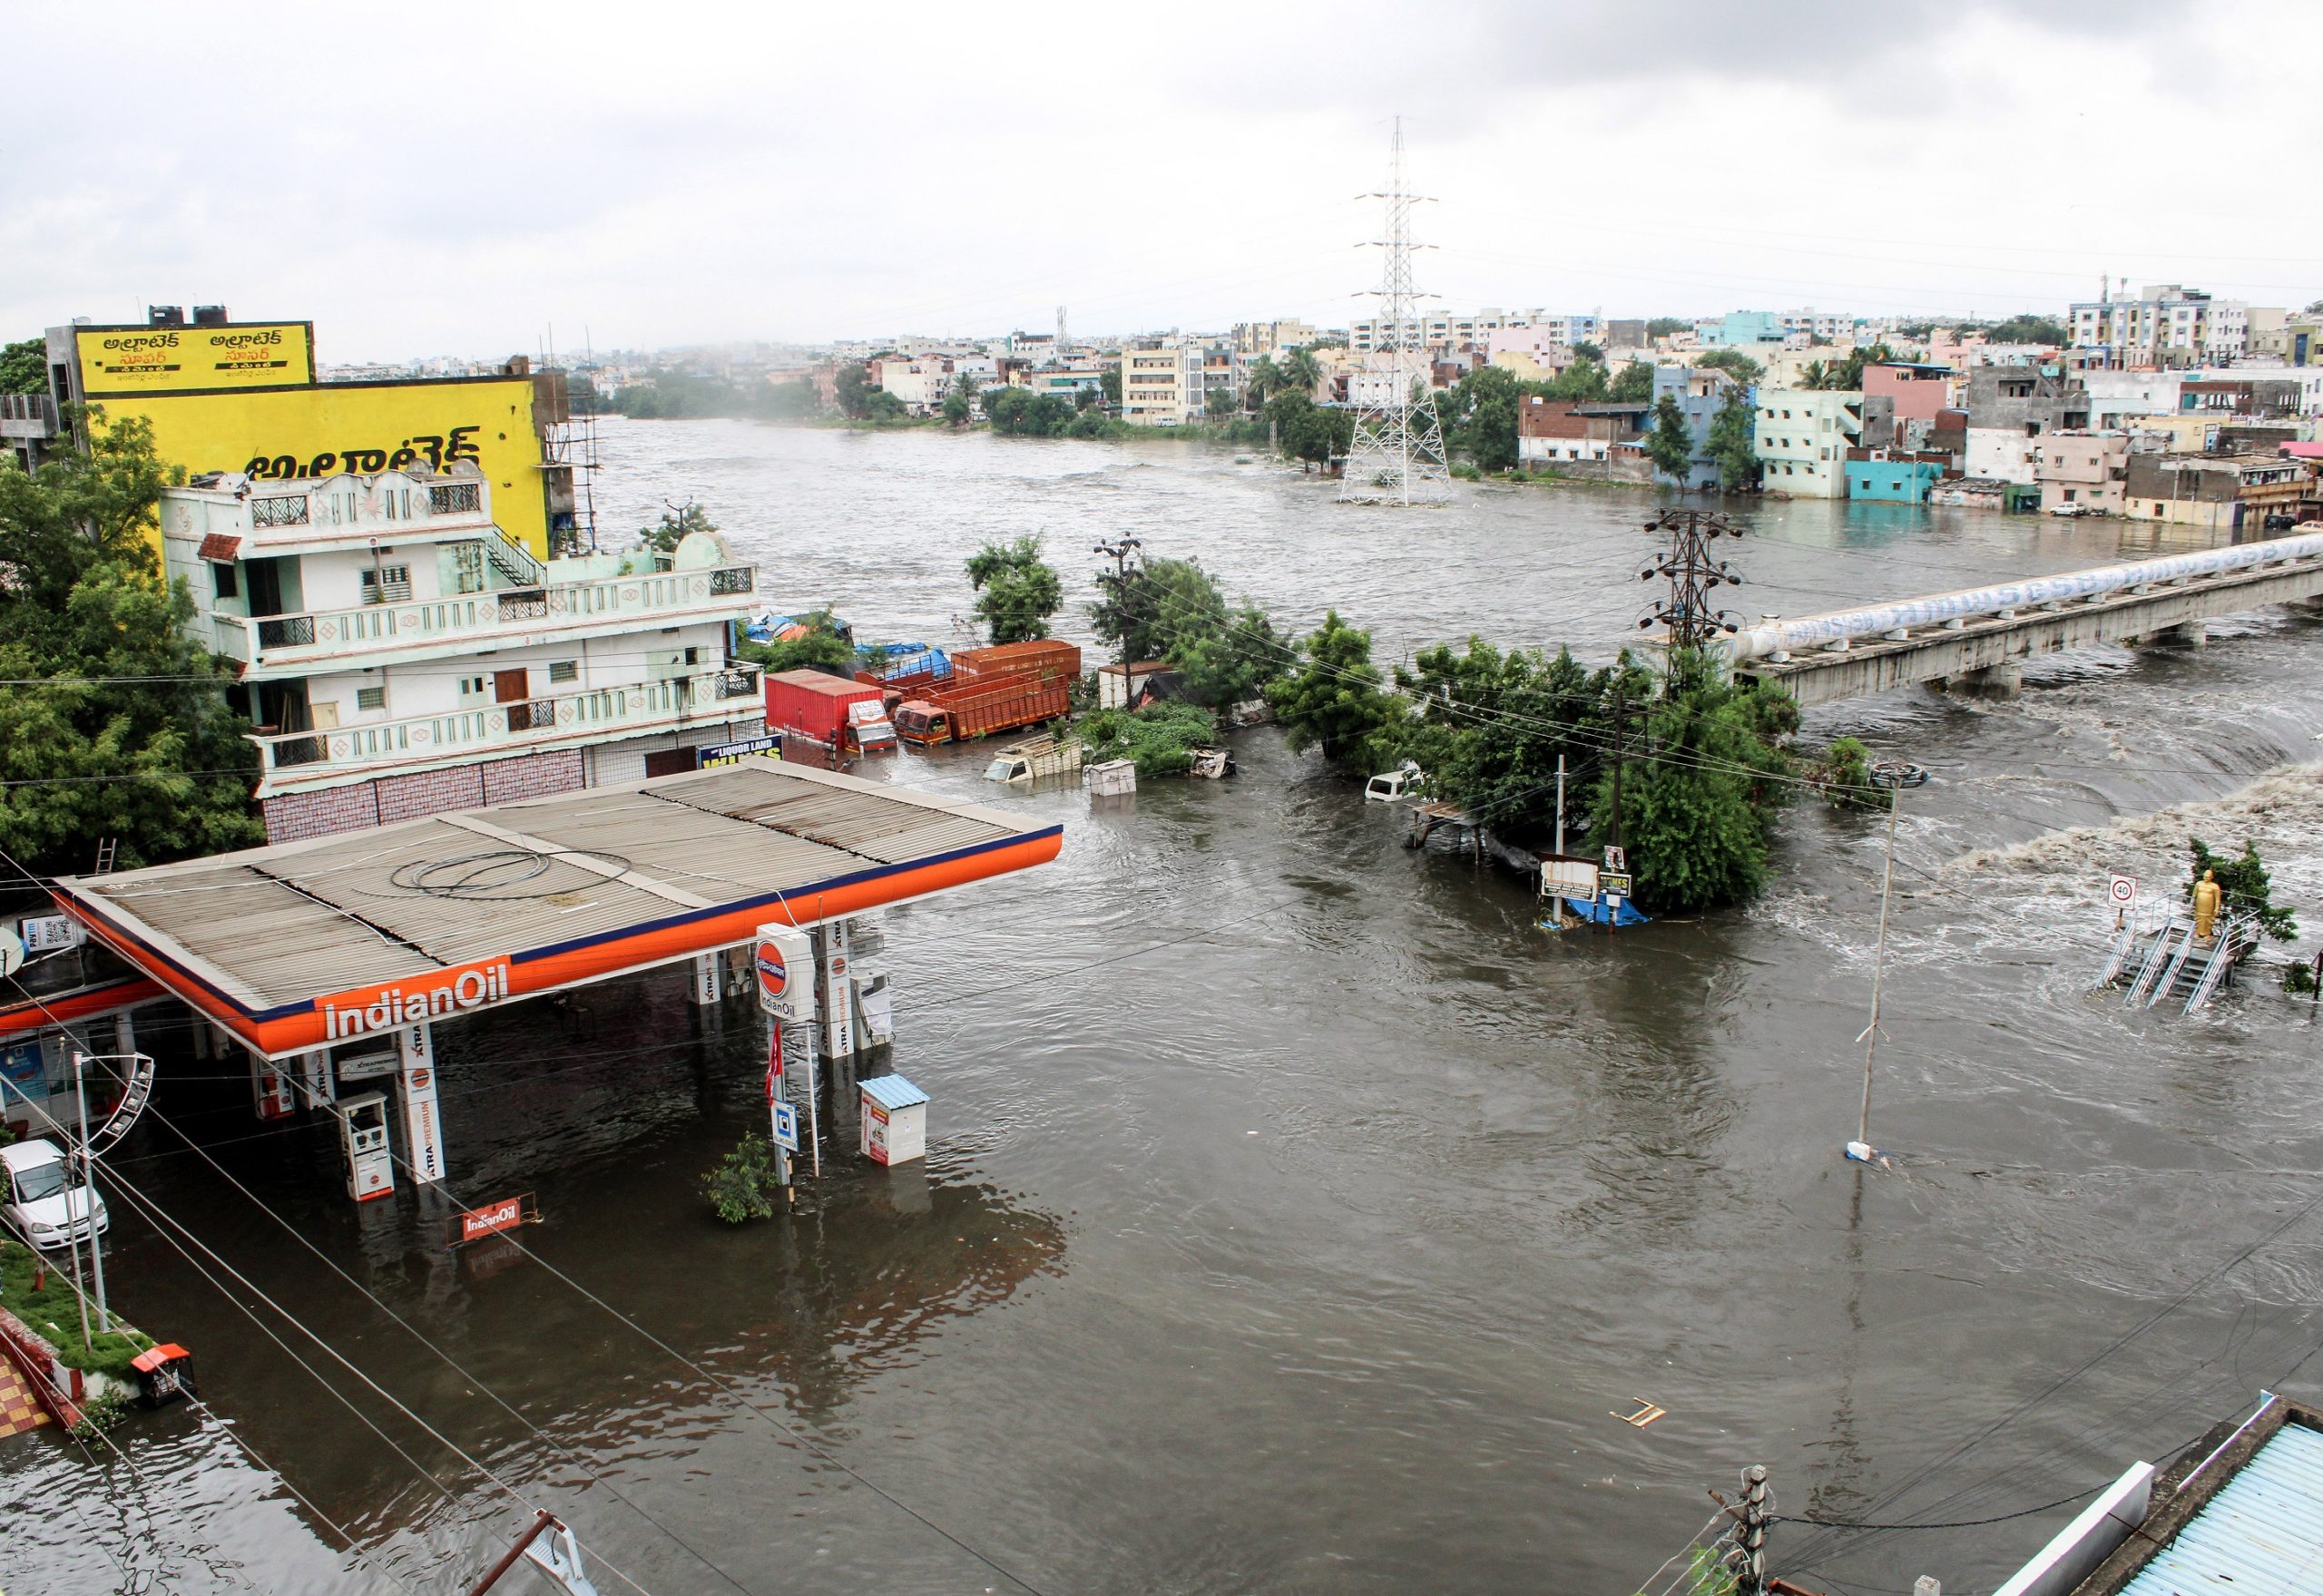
1447,331
1803,437
1160,387
1254,339
2219,492
2166,326
2087,469
920,382
400,654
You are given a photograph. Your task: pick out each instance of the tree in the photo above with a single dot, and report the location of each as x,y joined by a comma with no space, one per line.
1264,380
1220,403
1333,698
677,521
1490,728
2246,886
1815,373
1734,363
1705,771
819,647
1733,444
2028,328
1589,351
24,367
1661,326
131,733
859,401
742,1186
1302,371
1307,431
1671,444
1109,383
1480,413
1016,589
1635,386
1021,412
1847,375
1172,611
960,404
1583,383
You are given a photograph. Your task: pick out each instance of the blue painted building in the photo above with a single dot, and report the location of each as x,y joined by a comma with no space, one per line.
1740,329
1700,392
1892,482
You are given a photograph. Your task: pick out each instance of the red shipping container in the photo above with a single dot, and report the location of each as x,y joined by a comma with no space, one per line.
813,704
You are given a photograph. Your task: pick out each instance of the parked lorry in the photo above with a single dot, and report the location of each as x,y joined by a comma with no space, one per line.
990,690
826,709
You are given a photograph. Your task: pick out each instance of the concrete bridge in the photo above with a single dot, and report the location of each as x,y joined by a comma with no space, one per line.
1979,638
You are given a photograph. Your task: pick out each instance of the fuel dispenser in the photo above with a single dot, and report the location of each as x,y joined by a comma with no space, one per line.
363,1133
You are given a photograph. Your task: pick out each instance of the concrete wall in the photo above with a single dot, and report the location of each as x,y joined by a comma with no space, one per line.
2001,452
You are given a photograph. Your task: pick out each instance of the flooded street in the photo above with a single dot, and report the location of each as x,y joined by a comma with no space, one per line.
1298,1215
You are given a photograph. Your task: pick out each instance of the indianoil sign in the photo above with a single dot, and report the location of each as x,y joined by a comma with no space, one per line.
396,1006
161,359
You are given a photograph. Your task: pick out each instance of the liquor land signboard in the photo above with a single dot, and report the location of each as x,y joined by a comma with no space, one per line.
116,360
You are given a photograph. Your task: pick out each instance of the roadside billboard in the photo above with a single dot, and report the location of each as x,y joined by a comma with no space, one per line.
310,432
116,360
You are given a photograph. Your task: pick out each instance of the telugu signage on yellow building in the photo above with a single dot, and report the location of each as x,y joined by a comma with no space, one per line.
117,360
314,431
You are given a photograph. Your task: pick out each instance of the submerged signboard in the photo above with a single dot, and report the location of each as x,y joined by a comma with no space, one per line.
116,360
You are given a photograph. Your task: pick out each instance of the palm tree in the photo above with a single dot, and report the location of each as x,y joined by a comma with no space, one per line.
1816,375
1265,378
1302,371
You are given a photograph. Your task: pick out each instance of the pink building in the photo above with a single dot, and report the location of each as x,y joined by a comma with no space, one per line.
1919,391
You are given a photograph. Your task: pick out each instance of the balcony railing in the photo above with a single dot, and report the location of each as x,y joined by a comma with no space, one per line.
324,634
511,727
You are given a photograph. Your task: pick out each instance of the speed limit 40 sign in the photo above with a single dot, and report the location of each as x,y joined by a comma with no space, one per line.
2122,892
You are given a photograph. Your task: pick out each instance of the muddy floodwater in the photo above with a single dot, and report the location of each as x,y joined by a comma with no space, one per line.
1297,1214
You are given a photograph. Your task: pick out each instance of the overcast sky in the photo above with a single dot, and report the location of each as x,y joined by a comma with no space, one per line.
460,179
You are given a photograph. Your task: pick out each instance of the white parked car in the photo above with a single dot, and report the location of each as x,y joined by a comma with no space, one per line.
44,1206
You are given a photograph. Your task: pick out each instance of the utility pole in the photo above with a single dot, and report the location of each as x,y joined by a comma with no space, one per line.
1119,551
1621,746
1748,1560
1560,847
1890,777
1693,574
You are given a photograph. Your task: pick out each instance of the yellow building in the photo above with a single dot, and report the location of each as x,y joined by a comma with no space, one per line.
241,396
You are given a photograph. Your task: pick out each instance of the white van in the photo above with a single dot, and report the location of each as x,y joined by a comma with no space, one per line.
43,1205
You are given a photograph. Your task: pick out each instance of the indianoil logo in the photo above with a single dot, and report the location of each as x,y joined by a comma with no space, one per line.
399,1006
774,975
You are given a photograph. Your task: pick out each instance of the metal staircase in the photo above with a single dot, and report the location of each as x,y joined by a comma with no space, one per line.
2231,934
2173,936
2176,968
514,562
2125,941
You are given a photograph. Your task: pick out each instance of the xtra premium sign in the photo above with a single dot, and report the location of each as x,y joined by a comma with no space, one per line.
165,359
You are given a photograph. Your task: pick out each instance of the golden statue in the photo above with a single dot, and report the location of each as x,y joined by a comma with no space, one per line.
2207,894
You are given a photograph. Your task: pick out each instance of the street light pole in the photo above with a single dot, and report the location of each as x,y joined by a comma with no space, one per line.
88,1192
1891,778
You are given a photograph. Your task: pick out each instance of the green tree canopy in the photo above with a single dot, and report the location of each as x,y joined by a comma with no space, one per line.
1734,363
1661,326
1172,611
131,733
859,400
1307,431
1016,589
1302,371
1333,698
1635,386
1021,412
1705,769
24,367
1671,444
1109,383
819,647
677,521
2028,327
1733,444
2245,882
960,404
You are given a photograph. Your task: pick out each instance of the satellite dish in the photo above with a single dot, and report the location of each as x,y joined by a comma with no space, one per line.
12,953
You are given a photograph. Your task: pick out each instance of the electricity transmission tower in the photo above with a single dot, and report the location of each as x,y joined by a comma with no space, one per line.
1688,609
1397,455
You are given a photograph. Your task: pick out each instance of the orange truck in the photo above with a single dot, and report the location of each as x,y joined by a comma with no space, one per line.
998,688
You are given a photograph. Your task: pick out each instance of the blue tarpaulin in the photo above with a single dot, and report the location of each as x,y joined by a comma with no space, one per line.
1594,910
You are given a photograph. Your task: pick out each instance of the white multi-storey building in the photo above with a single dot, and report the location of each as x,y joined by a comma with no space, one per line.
400,654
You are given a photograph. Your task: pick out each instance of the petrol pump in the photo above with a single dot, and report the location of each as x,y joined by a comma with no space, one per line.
363,1134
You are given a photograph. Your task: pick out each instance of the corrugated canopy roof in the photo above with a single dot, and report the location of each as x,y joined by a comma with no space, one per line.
678,857
2261,1532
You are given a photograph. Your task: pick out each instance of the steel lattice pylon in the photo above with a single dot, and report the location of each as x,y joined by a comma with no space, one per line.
1397,455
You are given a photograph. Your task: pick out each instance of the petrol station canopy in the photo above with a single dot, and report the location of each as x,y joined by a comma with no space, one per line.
306,945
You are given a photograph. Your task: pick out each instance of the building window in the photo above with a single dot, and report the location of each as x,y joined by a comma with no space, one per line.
387,584
222,580
455,498
564,670
370,698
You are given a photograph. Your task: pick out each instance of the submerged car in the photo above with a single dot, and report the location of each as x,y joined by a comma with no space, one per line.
46,1205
